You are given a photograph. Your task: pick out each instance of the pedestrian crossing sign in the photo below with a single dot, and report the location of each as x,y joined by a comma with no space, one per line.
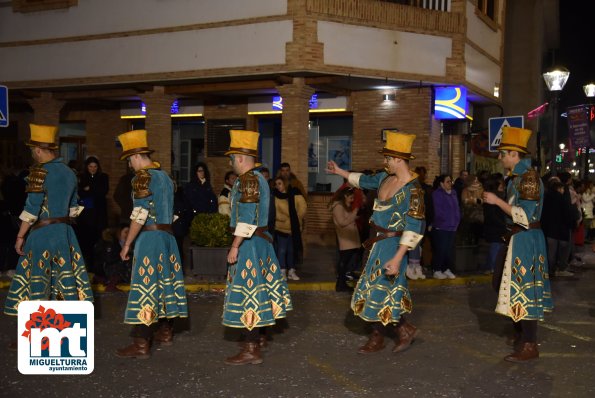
3,106
496,124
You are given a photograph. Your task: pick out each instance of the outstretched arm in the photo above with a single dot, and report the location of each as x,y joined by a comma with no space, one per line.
492,199
331,167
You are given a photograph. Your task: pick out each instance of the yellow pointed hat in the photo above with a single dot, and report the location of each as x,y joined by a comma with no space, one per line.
515,139
134,142
43,136
398,145
243,142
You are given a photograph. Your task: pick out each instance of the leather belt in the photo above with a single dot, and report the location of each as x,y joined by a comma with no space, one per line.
48,221
260,232
159,227
381,234
515,229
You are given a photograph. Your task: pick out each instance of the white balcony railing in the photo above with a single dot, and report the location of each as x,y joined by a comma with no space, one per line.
437,5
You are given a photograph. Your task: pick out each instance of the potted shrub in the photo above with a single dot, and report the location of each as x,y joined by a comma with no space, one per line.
211,240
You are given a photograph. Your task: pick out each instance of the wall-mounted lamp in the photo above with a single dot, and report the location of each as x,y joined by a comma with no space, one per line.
389,97
496,90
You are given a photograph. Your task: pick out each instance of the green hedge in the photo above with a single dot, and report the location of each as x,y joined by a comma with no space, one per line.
210,230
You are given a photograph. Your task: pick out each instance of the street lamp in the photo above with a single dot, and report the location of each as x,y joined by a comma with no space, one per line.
589,90
555,79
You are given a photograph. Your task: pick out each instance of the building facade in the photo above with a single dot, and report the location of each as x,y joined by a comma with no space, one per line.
342,71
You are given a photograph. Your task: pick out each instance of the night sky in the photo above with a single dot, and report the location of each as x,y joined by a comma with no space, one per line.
576,36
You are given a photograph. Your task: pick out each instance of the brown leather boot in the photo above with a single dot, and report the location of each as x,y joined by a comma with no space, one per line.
375,343
527,352
263,342
140,348
406,333
249,354
164,335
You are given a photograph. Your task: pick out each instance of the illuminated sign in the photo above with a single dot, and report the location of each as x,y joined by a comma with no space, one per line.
278,102
450,103
175,108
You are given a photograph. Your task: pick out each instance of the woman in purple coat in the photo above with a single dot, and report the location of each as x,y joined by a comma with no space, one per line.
447,217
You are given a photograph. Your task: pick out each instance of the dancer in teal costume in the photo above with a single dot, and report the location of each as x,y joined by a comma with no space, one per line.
51,266
381,295
524,289
256,293
157,294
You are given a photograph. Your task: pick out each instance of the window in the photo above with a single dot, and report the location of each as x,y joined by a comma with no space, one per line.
218,134
488,8
41,5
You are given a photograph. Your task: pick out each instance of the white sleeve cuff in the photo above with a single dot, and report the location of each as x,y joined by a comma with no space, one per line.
353,179
244,230
75,211
28,217
410,239
139,215
519,217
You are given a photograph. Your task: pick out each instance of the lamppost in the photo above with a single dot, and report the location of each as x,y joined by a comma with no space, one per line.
555,79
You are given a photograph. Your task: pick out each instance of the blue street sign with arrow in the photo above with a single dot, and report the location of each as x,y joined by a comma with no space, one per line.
496,124
3,106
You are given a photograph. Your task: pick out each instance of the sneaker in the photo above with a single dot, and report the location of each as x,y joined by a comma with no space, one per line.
564,273
419,272
448,273
410,272
576,263
284,274
439,275
292,275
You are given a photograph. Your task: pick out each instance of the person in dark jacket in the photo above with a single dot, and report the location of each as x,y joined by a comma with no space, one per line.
198,193
494,227
557,221
93,188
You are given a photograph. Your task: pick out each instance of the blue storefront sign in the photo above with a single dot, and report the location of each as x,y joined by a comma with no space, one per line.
450,103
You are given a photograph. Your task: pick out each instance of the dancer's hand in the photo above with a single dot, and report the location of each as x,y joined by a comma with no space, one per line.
124,252
391,267
18,246
232,255
490,198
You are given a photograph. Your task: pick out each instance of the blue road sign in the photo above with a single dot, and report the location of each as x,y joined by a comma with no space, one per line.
496,124
3,106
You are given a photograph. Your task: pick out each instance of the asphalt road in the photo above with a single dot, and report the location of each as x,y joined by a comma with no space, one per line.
458,352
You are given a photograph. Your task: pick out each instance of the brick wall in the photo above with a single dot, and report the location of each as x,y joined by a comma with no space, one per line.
410,113
219,165
158,125
46,109
295,138
102,129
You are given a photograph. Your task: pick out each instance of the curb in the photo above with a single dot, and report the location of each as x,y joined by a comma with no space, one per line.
309,286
